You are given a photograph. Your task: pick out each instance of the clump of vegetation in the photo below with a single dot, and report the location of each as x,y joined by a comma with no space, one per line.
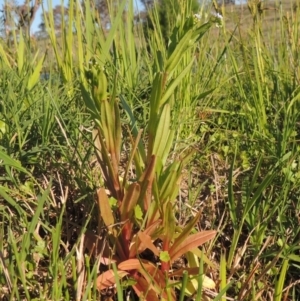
148,163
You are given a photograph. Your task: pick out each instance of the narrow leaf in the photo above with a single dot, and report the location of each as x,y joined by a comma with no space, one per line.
136,264
147,242
174,83
35,76
200,254
105,210
21,52
11,201
162,132
98,246
280,282
136,246
4,56
146,184
190,243
7,160
143,289
151,273
112,32
169,226
108,279
186,231
129,202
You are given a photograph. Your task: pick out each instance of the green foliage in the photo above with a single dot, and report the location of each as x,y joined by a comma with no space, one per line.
180,130
162,16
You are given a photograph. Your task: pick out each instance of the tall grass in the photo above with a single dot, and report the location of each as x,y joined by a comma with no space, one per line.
218,107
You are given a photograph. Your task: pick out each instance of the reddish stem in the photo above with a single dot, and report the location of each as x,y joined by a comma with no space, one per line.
165,265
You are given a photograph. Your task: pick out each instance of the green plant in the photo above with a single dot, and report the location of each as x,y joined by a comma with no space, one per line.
228,100
143,214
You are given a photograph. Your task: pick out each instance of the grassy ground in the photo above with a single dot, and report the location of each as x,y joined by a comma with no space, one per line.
117,176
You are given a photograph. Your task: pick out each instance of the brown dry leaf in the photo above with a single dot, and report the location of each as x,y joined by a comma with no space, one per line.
150,272
134,264
147,242
105,209
136,246
144,290
108,279
96,246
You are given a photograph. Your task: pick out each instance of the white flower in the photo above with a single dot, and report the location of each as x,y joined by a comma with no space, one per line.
197,16
218,18
217,15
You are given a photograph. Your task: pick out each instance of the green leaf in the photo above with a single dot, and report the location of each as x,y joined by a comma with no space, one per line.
138,213
11,201
90,104
2,128
4,56
21,52
168,182
114,26
281,280
35,219
7,160
128,282
176,55
164,256
174,83
133,126
186,231
169,225
113,202
35,76
162,132
146,181
129,202
28,187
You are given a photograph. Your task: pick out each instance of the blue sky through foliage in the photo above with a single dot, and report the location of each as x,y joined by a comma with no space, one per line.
37,20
